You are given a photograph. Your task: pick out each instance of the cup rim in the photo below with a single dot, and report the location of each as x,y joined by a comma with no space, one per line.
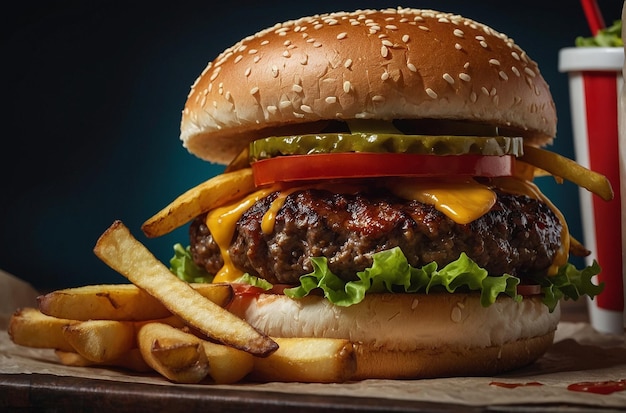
573,59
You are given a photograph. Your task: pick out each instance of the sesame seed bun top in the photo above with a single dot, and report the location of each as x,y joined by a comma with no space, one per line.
378,64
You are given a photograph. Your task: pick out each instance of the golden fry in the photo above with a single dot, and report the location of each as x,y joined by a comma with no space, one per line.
30,328
311,360
210,194
124,302
101,341
565,168
177,355
132,360
228,365
122,252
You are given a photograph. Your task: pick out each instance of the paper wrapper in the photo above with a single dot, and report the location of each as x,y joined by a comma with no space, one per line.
579,354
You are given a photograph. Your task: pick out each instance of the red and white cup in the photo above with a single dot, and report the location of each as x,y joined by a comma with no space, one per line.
596,85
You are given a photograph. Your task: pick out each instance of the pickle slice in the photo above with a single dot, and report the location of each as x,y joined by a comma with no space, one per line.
385,143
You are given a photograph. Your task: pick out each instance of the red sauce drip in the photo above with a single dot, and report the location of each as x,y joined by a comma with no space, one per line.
514,385
599,387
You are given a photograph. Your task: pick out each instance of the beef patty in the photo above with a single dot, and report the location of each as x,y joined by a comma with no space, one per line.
519,235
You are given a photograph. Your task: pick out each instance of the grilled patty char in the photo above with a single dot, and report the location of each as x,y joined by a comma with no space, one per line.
518,236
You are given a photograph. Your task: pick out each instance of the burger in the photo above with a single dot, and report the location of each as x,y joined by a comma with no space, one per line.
379,177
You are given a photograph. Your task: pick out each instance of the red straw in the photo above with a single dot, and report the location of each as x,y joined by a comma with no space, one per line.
594,16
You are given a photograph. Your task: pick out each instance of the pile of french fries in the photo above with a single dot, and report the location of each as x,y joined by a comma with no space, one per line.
160,323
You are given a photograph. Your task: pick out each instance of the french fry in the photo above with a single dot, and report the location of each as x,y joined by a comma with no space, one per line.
565,168
177,355
124,302
101,341
311,360
30,328
122,252
131,360
210,194
226,364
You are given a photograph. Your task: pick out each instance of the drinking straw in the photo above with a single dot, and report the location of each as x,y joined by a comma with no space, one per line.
593,15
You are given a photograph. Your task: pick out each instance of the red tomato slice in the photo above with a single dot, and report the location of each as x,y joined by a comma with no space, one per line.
367,165
528,289
246,289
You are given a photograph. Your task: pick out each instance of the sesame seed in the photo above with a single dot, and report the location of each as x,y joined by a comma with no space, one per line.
254,90
465,77
286,42
228,96
348,63
284,104
265,42
378,98
238,58
466,65
247,72
256,59
494,62
529,72
503,75
252,51
342,35
272,109
473,97
431,93
411,67
214,75
448,78
387,43
274,71
296,88
405,38
286,53
516,71
515,56
384,76
391,27
458,46
483,44
458,33
426,29
384,51
306,108
485,91
298,115
331,99
347,86
304,60
317,44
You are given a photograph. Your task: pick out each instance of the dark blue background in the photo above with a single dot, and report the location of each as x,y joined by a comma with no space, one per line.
93,91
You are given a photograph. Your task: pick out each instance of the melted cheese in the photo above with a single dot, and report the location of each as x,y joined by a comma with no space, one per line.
269,218
463,201
221,222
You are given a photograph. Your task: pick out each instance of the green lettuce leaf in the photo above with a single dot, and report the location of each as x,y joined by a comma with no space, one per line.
183,266
391,272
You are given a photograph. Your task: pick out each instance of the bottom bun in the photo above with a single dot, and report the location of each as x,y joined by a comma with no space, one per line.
414,335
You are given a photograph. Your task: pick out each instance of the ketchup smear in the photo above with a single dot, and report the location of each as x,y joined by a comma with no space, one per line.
599,387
